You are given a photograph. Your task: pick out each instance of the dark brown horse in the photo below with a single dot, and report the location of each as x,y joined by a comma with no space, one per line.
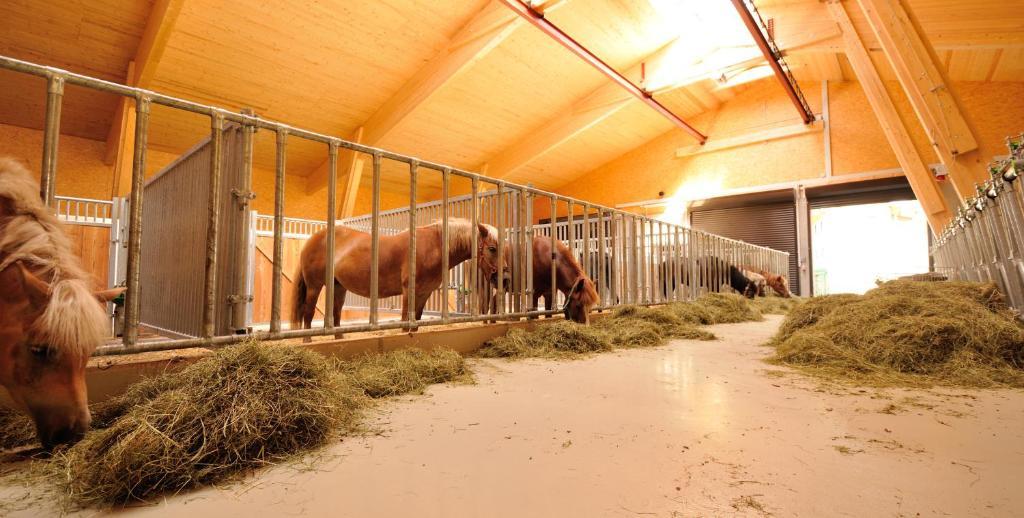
352,265
579,291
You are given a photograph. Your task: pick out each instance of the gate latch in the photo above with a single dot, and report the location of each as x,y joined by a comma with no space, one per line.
243,197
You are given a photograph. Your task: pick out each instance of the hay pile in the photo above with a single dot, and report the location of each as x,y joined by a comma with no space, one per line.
16,430
406,371
907,333
555,340
241,408
627,326
772,305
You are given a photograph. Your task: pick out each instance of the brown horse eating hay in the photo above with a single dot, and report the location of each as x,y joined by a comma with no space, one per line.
352,264
50,322
579,291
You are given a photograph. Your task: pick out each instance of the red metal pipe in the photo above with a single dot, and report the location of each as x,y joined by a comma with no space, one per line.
538,20
773,60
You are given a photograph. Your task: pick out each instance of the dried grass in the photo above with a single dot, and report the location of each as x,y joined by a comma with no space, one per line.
908,333
772,305
16,430
242,408
406,371
627,327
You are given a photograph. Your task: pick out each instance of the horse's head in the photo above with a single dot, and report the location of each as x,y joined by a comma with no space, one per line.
778,283
582,297
44,348
487,251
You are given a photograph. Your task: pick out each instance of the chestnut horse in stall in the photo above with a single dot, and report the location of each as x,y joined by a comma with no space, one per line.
579,291
50,321
352,265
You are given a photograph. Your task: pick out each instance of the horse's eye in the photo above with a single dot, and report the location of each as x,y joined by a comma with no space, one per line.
40,352
493,249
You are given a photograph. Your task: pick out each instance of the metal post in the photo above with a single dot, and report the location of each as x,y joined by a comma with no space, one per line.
528,249
131,309
411,287
332,201
614,272
500,288
242,297
213,224
445,178
570,234
279,171
51,137
600,248
474,266
375,243
554,254
586,240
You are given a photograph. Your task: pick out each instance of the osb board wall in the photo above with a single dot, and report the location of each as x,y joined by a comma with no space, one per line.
858,144
263,278
92,245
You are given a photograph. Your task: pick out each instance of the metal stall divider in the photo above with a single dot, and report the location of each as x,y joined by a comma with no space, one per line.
636,243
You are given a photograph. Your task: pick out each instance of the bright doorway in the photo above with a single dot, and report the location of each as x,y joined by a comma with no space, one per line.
854,246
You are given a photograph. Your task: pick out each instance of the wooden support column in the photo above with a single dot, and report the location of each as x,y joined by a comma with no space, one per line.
928,90
352,163
120,148
921,179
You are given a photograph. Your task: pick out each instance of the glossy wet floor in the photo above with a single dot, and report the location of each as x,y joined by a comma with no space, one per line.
688,429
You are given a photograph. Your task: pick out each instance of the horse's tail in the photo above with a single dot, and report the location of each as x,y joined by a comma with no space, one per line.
298,299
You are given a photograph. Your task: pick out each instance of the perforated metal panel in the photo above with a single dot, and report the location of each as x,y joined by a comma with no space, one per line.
174,216
772,225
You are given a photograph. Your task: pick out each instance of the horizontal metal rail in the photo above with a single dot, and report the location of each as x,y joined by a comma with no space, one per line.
633,258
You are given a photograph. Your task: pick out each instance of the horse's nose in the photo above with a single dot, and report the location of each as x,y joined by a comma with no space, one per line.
61,436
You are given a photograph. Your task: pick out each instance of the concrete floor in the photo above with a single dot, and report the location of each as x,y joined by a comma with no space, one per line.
689,429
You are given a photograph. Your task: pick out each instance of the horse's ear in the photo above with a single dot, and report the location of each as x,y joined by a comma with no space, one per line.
16,281
108,295
483,230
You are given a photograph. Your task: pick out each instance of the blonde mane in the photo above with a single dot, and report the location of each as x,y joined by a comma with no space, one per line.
460,235
73,320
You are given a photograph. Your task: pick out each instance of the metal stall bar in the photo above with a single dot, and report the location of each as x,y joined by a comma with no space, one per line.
500,288
554,256
51,137
131,308
411,286
213,223
332,201
375,243
474,266
445,281
279,171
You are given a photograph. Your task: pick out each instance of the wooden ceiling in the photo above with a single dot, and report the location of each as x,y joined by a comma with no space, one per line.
454,81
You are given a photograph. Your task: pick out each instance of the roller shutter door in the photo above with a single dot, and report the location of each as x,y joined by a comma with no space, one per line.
861,194
772,225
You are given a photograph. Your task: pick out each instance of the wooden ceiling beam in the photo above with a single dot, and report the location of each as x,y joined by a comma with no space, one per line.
159,27
921,179
928,90
598,105
483,33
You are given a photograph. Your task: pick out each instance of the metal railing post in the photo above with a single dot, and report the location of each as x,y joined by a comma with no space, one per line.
279,183
332,202
213,224
375,243
131,310
51,137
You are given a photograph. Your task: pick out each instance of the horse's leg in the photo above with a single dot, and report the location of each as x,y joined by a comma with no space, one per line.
339,302
421,302
549,304
309,306
534,306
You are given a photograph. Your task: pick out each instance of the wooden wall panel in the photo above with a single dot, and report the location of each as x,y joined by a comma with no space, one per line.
92,245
